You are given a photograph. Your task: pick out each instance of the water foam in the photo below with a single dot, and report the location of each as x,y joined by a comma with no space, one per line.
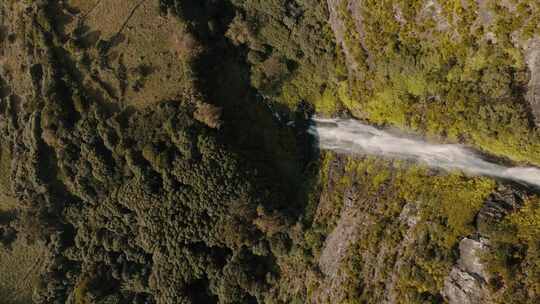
353,137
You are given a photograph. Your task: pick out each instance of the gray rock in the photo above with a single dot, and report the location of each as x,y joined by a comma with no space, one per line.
460,287
532,57
470,252
339,28
409,215
467,280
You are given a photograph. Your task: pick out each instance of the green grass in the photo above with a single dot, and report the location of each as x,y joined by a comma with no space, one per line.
452,84
19,271
148,56
5,168
453,199
20,264
446,205
514,261
6,202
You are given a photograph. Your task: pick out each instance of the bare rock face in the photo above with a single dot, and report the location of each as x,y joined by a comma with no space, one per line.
336,249
469,260
466,282
409,217
532,57
432,9
463,288
340,31
352,226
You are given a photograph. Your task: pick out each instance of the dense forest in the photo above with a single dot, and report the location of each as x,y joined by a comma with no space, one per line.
156,151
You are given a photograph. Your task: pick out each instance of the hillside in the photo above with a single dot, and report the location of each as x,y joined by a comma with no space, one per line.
162,151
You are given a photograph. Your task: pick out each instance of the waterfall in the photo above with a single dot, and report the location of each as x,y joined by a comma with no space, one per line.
353,137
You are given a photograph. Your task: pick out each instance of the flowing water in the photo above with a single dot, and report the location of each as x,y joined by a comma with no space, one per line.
353,137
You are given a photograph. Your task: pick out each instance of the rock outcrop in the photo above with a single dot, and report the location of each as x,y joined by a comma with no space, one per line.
467,280
532,58
340,31
336,248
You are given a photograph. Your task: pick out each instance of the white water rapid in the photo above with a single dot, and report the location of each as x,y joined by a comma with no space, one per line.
353,137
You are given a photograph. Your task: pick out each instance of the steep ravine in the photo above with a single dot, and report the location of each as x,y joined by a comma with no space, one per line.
156,152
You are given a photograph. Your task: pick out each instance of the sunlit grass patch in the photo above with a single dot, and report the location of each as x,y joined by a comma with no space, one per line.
20,268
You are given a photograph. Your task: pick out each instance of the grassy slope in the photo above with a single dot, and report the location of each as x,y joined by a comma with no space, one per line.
387,255
6,203
446,207
476,102
128,52
453,83
20,267
515,258
445,71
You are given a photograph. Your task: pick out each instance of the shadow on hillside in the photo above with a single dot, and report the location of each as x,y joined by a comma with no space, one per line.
284,151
